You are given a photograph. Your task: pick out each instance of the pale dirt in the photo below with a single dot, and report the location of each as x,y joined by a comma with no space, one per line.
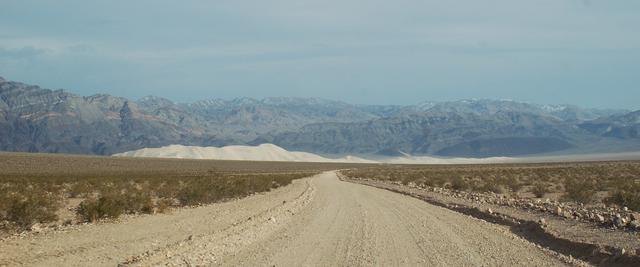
318,221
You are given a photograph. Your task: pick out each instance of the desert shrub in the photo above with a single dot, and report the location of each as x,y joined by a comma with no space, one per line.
512,183
579,190
88,210
438,181
492,185
626,196
163,205
539,189
30,206
476,186
137,201
80,189
459,183
430,182
110,206
192,194
602,184
4,200
168,189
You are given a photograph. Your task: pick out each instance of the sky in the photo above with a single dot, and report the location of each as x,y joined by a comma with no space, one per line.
583,52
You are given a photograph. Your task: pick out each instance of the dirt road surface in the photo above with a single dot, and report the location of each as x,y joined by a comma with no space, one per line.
318,221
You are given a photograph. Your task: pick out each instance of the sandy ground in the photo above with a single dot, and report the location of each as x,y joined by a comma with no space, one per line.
318,221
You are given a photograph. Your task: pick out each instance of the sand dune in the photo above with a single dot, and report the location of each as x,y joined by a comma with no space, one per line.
271,152
264,152
434,160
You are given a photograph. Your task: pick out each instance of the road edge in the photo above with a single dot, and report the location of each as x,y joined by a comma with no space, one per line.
571,251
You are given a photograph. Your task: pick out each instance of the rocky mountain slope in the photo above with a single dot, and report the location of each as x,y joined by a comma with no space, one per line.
40,120
505,133
625,126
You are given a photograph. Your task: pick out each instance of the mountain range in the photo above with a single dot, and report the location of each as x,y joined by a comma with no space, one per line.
33,119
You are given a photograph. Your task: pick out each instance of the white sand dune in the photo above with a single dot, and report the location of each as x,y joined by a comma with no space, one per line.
270,152
433,160
264,152
408,159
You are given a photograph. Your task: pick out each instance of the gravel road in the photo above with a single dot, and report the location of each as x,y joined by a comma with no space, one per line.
318,221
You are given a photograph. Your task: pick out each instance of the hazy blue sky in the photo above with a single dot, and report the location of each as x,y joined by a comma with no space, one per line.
584,52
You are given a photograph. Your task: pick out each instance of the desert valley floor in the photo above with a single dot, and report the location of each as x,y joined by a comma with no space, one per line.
315,221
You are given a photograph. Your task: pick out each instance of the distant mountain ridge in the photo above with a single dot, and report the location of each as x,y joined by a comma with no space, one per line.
33,119
623,126
434,133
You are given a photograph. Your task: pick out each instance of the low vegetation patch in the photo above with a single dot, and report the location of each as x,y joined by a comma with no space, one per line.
37,200
29,205
579,190
540,189
612,183
34,188
627,195
92,209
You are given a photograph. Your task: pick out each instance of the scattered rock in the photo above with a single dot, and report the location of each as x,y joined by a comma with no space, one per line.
596,251
619,222
620,252
272,219
577,214
601,214
36,228
542,222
